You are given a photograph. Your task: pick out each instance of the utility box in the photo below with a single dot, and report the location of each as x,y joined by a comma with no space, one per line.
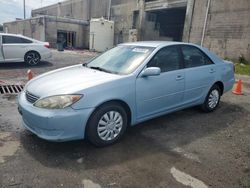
101,35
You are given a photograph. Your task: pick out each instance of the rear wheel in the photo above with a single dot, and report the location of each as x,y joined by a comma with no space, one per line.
212,100
32,58
107,124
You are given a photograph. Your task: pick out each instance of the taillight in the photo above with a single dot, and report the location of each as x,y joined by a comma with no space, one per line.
46,45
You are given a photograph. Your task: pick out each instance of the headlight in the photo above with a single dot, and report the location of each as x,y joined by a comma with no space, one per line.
57,102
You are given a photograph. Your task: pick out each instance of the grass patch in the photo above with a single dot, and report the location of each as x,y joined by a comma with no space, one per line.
243,69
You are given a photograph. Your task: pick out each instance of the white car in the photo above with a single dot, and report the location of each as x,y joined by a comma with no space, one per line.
18,48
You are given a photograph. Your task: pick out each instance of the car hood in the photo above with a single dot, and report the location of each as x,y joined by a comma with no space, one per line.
69,80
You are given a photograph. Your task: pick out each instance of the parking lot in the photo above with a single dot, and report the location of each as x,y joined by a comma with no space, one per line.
186,148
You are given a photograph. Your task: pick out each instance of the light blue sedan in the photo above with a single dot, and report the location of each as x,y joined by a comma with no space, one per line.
128,84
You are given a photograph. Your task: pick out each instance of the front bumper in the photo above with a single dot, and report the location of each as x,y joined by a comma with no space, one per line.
53,125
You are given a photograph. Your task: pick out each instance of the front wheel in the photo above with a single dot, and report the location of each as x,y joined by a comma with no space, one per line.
107,124
32,58
212,100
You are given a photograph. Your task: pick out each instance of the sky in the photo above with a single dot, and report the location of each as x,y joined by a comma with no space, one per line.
12,9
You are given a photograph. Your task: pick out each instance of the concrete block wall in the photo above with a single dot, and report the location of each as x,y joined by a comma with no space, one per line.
82,32
45,28
122,15
99,8
33,28
228,27
78,9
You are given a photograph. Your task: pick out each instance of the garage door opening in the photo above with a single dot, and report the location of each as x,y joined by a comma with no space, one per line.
67,38
169,23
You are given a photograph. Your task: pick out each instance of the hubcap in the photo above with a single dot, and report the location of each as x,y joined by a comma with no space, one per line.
213,98
32,58
110,125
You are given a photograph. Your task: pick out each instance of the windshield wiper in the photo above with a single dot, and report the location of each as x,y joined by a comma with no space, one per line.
101,69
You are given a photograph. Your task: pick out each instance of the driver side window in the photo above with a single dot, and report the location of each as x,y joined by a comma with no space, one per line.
167,59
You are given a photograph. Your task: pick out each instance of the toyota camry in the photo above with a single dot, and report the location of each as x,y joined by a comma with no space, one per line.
122,87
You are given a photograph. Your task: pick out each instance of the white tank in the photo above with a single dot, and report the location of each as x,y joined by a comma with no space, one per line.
101,34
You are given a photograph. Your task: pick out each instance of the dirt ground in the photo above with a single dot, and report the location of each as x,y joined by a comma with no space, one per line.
188,148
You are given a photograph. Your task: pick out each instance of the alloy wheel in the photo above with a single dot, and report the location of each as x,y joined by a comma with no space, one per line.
32,58
213,98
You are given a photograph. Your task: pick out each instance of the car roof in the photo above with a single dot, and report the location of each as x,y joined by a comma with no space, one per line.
10,34
154,44
160,44
19,35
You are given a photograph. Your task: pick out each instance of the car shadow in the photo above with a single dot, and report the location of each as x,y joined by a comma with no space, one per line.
157,136
22,65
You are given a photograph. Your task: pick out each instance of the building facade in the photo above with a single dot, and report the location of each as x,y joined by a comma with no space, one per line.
222,26
226,29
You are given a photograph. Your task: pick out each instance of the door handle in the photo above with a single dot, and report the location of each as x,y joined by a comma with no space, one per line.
212,71
179,77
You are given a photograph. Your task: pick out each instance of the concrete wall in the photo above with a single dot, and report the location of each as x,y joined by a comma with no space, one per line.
122,15
81,30
33,28
121,12
44,28
78,9
99,8
162,4
228,27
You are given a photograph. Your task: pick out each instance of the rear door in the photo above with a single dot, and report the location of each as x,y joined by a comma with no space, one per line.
1,50
200,74
162,93
14,47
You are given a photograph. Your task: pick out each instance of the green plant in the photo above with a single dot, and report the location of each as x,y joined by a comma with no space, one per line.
242,69
242,59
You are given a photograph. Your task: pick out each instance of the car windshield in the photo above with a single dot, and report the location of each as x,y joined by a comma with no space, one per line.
122,59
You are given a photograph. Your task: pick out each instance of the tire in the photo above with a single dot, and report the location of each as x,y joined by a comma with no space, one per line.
32,58
107,125
212,100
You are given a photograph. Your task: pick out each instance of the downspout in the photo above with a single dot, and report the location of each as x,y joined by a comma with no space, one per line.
109,9
205,23
141,6
191,21
89,10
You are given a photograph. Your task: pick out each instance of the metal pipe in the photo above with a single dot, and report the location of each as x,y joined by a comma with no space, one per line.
24,11
205,23
89,10
191,21
109,9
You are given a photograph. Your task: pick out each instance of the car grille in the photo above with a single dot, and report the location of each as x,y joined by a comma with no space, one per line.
31,98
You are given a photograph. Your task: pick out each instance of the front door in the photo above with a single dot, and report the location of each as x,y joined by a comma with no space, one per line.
163,93
14,47
1,50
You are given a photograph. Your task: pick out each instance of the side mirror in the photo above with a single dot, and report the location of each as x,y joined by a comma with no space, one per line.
151,71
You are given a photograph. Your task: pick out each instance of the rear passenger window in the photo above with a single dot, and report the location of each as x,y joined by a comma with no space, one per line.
26,40
167,59
193,57
15,40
